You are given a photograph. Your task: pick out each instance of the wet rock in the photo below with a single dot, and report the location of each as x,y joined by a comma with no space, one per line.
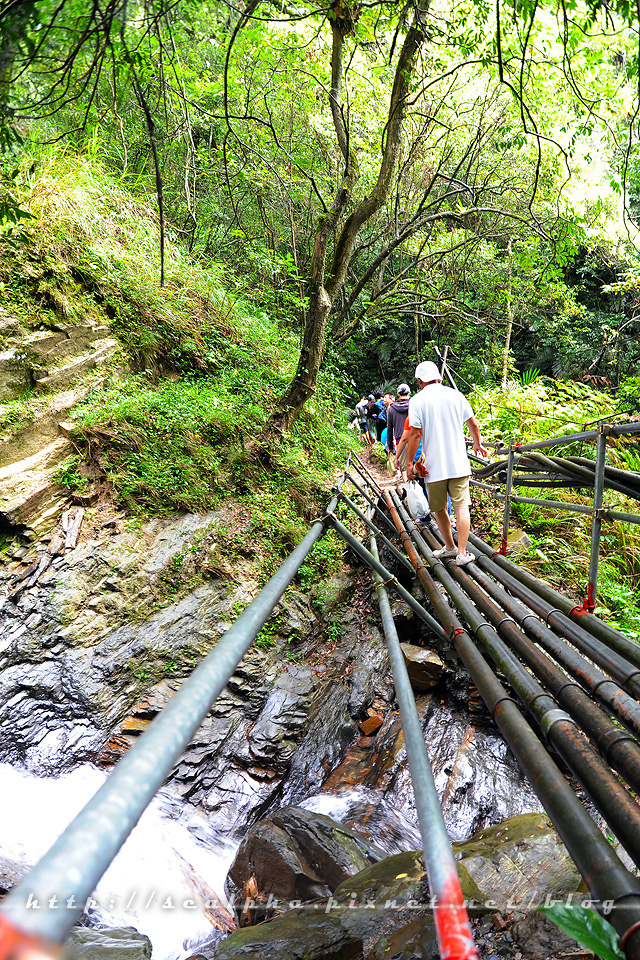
333,851
407,624
371,724
370,674
295,855
541,939
415,940
477,779
174,535
424,666
516,865
395,880
298,934
367,812
110,943
294,616
278,868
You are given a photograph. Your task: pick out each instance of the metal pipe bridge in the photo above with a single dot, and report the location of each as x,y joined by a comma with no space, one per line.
561,685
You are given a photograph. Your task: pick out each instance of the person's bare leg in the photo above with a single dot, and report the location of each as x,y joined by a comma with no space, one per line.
463,523
444,526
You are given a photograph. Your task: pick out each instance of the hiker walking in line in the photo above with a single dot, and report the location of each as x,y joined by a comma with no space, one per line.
361,413
372,414
437,416
396,416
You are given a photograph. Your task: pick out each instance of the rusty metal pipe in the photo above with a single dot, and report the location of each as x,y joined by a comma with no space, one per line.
607,691
605,876
610,797
619,749
371,503
587,623
626,673
389,580
587,674
375,531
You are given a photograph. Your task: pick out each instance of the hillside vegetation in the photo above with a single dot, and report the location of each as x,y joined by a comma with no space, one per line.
173,420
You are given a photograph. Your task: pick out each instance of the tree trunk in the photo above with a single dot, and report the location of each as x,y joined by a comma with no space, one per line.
507,339
304,382
325,285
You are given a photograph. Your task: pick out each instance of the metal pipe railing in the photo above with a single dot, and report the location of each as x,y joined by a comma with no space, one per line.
560,729
70,870
372,480
376,532
389,579
603,872
374,506
450,916
617,430
586,622
619,748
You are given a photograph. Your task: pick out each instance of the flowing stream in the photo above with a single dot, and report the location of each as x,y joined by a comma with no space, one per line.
168,879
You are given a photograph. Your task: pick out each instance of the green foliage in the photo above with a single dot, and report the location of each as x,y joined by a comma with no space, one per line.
543,408
326,558
629,394
587,927
70,477
529,376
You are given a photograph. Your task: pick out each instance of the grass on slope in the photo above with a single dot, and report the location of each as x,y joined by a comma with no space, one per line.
174,429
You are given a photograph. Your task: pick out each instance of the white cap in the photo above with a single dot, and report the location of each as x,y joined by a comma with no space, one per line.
427,371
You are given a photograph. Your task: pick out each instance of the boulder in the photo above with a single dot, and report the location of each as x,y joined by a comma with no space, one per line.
296,855
392,882
107,943
335,852
269,864
297,935
516,864
424,666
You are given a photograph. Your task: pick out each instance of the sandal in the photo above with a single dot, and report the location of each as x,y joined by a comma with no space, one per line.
443,553
464,558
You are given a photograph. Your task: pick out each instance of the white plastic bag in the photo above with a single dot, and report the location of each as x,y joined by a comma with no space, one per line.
416,500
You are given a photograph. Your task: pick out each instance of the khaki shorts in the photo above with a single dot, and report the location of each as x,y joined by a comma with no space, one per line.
401,461
456,487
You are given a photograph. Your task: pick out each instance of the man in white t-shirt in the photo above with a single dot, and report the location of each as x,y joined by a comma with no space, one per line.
437,415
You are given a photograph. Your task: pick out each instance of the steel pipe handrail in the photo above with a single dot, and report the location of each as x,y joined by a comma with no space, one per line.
375,531
371,503
372,480
450,915
389,579
603,872
616,430
70,870
618,747
585,621
560,729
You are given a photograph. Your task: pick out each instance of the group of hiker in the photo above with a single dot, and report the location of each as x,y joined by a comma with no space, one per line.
424,438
